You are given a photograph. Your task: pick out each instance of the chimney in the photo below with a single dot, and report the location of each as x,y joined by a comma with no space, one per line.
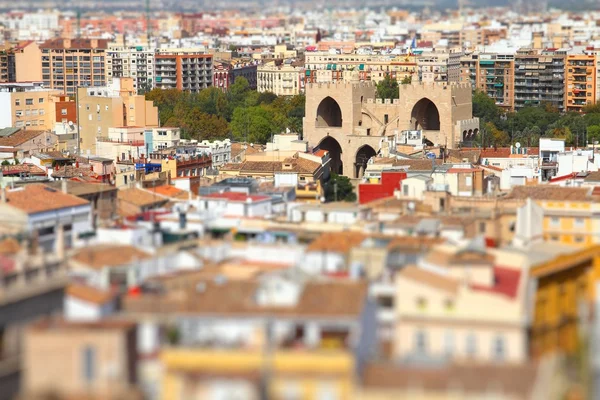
63,186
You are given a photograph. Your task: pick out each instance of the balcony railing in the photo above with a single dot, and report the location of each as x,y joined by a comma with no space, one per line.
121,141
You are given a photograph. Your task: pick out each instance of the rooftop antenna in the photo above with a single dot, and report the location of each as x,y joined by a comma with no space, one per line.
78,19
148,32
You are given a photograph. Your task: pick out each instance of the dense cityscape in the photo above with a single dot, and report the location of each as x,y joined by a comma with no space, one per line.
300,200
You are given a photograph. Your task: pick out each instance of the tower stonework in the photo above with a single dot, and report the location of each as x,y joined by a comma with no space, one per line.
345,119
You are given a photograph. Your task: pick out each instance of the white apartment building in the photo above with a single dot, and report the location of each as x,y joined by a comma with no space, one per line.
220,150
283,80
165,137
439,66
135,62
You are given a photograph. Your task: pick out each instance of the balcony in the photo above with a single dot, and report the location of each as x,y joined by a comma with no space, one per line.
136,143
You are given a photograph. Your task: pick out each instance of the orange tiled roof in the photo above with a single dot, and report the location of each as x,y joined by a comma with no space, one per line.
108,255
338,242
89,294
36,198
139,197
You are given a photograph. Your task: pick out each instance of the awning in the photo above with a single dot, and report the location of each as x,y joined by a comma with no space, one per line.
361,67
486,62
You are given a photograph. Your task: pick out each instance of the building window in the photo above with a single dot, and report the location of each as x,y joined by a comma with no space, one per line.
482,227
17,102
499,348
28,102
422,303
41,100
555,221
89,361
471,345
449,343
469,180
420,342
63,111
579,222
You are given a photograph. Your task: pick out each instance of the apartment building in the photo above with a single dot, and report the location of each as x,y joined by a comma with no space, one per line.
326,67
137,62
283,80
495,77
540,78
581,81
27,62
225,74
25,105
439,66
116,105
71,63
183,69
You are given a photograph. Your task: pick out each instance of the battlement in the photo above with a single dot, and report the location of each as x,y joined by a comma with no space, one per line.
382,101
340,84
435,85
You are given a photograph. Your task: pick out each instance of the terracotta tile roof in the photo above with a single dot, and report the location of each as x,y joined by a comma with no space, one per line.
428,278
336,242
551,192
89,294
139,197
416,165
320,299
22,136
9,246
18,169
36,198
82,188
320,152
171,191
70,171
75,44
514,380
457,155
231,167
593,177
108,255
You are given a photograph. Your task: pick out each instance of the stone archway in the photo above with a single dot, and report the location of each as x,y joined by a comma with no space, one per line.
335,154
425,116
363,155
329,114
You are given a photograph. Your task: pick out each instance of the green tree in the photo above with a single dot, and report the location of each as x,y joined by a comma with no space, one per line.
165,100
388,88
339,187
593,133
266,98
407,80
252,124
497,136
485,108
5,162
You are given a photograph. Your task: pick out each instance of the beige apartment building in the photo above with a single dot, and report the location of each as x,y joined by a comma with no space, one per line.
112,106
68,64
24,105
80,359
439,66
283,80
28,62
326,67
130,61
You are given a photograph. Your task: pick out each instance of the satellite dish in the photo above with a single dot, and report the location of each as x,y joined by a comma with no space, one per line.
518,145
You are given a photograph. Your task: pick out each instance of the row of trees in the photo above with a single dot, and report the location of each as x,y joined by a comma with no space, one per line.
528,125
240,113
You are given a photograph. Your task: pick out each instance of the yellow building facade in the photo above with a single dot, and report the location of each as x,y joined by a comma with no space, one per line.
564,290
189,373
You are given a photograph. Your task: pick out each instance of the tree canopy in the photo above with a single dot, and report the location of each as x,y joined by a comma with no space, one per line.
388,88
339,188
240,112
529,124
